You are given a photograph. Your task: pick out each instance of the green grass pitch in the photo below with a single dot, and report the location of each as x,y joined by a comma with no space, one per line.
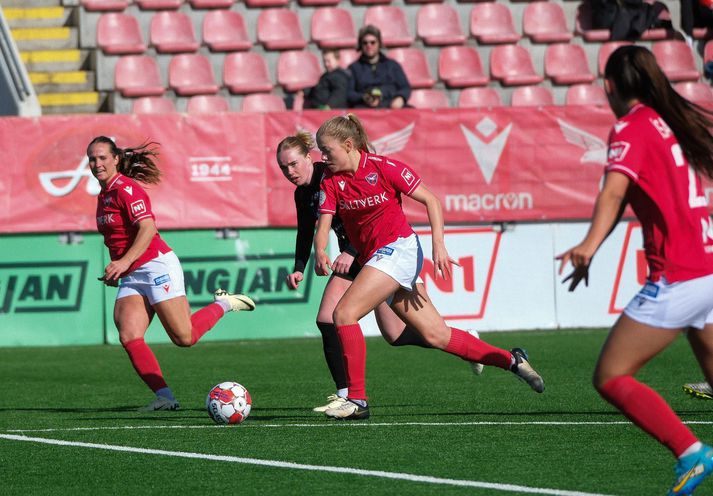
435,428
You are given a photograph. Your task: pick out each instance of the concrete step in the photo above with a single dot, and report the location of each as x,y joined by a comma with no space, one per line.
55,60
71,103
28,17
45,38
63,81
30,3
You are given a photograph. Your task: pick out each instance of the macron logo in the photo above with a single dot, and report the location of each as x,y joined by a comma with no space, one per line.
342,184
129,190
487,155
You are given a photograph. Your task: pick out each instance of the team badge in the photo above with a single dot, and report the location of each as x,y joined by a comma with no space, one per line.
372,178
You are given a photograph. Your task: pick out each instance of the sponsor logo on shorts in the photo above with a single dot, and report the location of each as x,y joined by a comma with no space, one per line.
650,289
372,178
386,250
161,279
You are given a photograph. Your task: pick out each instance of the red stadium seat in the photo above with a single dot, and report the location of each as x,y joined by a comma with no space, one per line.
703,33
512,65
159,4
191,74
297,70
491,23
479,97
414,63
460,67
332,27
207,104
172,32
567,64
605,51
224,30
544,22
370,2
319,3
104,5
531,96
676,59
695,91
428,99
347,56
583,25
261,4
138,75
263,102
586,94
391,20
119,34
153,105
246,72
708,51
439,24
279,29
211,4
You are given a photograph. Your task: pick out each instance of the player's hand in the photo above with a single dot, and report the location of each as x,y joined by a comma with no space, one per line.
322,264
442,261
294,279
114,270
580,257
342,263
113,284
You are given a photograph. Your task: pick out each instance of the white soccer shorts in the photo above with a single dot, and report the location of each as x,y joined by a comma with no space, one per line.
401,260
158,280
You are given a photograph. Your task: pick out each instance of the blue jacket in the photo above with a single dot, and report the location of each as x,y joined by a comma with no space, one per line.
386,74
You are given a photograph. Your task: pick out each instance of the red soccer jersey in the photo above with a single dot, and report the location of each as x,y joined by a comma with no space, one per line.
665,194
119,209
369,201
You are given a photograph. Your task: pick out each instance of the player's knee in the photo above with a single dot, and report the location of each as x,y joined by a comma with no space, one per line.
183,339
343,316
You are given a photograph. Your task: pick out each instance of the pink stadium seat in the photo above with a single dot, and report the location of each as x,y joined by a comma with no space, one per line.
104,5
439,24
119,34
460,66
676,59
263,102
605,51
423,1
428,99
191,74
414,63
211,4
586,94
583,25
479,97
298,70
207,104
153,105
261,4
246,72
347,56
695,91
224,30
172,32
567,64
319,3
370,2
531,96
279,29
159,4
492,22
708,51
391,20
138,75
703,33
512,65
332,27
544,22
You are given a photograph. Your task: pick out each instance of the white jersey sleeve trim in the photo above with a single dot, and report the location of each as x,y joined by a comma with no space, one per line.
415,185
624,170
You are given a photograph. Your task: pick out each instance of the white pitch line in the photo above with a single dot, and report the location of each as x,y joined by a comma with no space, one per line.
299,466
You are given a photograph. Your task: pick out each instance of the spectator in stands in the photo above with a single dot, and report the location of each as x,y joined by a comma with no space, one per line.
147,272
377,81
628,19
695,14
331,90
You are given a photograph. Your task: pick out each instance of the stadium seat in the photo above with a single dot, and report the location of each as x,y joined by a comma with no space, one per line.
263,102
460,67
246,72
279,29
370,2
695,91
428,99
207,104
319,3
104,5
676,59
153,105
332,27
438,24
605,50
703,33
158,4
138,75
347,56
261,4
191,74
297,70
414,63
492,23
211,4
583,25
512,65
172,32
391,20
567,64
531,96
224,30
119,34
586,94
544,22
708,51
479,97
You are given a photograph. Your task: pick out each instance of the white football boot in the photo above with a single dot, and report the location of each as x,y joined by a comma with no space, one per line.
160,403
523,370
333,401
238,302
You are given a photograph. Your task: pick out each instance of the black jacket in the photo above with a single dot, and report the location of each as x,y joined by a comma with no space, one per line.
386,74
330,91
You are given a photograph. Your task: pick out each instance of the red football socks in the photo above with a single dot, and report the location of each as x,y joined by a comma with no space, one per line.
472,349
354,352
204,319
645,408
145,364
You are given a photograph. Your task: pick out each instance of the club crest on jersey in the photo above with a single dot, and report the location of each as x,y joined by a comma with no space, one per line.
372,178
129,190
408,176
618,150
138,207
161,279
342,184
106,201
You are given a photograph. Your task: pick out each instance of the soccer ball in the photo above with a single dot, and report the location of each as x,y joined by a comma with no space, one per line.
228,403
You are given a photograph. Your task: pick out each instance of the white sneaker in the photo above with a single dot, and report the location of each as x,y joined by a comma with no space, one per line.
160,403
334,401
699,390
237,302
476,367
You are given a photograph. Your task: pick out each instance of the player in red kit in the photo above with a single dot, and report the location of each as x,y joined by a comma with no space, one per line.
365,191
658,149
148,273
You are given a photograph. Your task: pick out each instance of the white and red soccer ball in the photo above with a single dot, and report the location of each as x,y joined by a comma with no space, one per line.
228,403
